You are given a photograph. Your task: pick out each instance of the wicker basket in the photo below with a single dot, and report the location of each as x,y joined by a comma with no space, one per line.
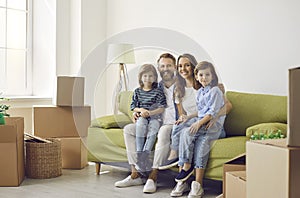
43,160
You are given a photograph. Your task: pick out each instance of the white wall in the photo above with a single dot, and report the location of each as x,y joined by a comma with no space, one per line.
44,46
252,43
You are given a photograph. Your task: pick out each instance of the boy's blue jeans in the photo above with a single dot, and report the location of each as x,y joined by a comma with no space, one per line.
146,132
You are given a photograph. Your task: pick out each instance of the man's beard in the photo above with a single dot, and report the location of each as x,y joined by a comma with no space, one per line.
167,75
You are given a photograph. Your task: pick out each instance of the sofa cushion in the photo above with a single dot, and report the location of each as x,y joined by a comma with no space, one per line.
111,121
249,109
266,128
124,101
111,144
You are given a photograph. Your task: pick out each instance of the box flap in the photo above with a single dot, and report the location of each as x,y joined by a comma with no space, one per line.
295,68
240,159
239,174
273,142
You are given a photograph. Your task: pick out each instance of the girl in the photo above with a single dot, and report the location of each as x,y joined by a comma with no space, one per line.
147,98
196,137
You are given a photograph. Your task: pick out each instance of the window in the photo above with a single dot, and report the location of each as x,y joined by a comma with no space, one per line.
15,47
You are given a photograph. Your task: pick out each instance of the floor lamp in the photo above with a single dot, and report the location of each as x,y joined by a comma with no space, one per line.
121,54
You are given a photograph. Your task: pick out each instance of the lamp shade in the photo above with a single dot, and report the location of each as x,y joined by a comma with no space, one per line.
120,53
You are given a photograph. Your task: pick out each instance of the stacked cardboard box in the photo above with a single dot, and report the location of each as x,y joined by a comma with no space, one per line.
293,134
234,174
12,169
272,169
67,120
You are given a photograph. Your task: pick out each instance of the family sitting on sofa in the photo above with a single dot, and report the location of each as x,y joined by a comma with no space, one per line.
182,115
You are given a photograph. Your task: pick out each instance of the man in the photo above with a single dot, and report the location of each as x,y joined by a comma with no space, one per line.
167,68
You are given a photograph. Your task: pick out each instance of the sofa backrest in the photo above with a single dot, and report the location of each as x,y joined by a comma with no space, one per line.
249,109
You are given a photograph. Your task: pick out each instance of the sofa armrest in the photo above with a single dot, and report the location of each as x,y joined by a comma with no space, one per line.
266,128
111,121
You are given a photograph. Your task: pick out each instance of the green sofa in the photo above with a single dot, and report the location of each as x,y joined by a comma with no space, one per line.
251,113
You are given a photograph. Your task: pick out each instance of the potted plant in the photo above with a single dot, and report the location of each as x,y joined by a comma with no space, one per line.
3,109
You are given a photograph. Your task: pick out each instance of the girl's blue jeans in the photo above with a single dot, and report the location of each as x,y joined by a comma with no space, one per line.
146,132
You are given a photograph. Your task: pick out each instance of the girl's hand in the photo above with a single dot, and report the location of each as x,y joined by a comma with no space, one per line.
195,127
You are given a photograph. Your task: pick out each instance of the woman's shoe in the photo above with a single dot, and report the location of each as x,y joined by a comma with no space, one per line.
184,175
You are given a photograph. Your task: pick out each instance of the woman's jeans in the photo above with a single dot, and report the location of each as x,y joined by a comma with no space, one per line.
146,132
176,131
195,148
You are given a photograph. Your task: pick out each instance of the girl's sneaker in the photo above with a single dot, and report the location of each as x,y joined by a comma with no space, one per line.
196,190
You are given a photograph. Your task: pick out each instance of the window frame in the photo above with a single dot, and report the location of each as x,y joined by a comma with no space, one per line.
27,89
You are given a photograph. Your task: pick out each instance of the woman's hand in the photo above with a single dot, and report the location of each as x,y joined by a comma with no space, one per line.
181,119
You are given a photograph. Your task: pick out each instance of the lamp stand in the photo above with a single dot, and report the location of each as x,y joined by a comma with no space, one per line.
122,72
119,87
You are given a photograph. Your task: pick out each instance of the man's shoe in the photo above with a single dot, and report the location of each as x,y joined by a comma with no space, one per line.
184,175
179,189
128,181
169,164
150,186
196,190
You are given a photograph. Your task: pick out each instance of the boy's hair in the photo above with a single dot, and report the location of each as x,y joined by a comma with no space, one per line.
147,68
167,55
204,65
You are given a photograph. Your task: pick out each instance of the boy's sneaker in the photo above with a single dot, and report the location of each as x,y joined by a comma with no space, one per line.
128,181
169,164
179,189
196,190
184,175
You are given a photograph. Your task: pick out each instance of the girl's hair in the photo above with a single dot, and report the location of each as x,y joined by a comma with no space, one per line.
204,65
180,82
147,68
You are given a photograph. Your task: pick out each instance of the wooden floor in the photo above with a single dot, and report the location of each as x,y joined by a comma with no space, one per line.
84,183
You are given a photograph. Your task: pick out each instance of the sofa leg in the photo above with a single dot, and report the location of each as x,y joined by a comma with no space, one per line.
98,166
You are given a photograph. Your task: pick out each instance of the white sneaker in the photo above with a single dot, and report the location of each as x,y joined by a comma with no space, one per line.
179,189
196,190
128,181
150,186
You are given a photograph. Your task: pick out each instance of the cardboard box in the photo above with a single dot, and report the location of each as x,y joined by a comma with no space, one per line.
53,121
12,169
272,169
74,153
235,164
293,133
236,184
69,91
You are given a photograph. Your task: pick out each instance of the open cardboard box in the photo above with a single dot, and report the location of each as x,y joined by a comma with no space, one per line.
237,163
12,169
236,184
